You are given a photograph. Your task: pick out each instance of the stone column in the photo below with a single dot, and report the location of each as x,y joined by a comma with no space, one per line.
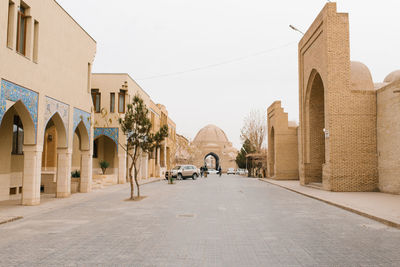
165,155
32,175
64,157
145,162
86,172
157,167
122,167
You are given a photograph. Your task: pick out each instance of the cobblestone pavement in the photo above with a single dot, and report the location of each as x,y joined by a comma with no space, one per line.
228,221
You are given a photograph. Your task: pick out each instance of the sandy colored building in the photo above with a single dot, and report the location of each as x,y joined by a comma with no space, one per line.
282,144
184,152
388,133
349,126
212,141
111,93
45,101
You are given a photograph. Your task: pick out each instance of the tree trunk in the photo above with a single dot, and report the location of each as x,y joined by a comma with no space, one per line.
137,183
131,179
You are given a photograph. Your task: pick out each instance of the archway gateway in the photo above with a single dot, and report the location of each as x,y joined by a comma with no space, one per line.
315,127
55,159
17,156
214,164
105,149
81,160
272,153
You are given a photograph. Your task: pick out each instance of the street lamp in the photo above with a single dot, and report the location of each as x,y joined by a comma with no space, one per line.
295,29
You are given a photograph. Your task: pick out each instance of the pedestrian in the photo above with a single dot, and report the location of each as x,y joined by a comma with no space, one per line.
220,171
201,171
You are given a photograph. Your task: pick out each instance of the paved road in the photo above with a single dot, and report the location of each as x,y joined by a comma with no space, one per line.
228,221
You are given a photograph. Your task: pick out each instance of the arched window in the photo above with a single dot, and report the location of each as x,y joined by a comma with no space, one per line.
18,136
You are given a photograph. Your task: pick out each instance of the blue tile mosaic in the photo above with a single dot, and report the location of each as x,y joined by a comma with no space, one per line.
109,132
13,92
80,115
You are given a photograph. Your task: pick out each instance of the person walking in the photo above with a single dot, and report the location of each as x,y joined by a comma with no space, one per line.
201,171
220,171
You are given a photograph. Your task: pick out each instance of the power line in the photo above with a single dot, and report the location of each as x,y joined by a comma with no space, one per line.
230,61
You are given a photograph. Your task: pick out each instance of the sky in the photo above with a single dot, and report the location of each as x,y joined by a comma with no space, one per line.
213,61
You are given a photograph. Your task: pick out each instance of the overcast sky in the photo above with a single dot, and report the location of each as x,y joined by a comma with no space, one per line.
150,38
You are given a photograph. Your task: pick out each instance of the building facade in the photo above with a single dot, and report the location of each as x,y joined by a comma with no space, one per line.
282,144
46,108
349,125
211,145
111,93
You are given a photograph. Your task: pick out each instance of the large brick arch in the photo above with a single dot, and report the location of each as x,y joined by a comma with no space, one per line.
331,120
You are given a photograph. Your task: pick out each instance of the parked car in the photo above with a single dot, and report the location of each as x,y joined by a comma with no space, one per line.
212,171
231,171
241,172
183,171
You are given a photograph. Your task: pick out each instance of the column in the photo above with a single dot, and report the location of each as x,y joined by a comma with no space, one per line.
122,167
165,155
145,161
32,175
158,174
86,172
64,157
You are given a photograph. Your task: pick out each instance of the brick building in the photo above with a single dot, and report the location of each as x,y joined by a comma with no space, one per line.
282,145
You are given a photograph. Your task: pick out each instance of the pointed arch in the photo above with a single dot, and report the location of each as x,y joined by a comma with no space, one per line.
314,142
84,140
27,122
215,156
60,128
272,151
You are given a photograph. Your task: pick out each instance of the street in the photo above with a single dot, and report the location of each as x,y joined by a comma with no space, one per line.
214,221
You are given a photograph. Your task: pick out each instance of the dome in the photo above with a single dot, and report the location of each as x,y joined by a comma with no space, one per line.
211,134
361,78
392,77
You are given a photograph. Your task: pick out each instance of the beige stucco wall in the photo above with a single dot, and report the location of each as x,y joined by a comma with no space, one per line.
112,83
388,133
61,73
282,145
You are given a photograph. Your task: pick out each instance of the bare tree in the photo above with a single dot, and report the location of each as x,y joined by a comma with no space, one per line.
255,129
136,125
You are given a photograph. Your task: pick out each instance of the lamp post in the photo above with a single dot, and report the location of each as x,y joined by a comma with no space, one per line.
295,29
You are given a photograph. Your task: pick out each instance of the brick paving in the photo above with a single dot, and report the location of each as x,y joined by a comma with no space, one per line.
228,221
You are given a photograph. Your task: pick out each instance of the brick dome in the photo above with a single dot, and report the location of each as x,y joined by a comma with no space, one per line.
392,77
361,78
211,134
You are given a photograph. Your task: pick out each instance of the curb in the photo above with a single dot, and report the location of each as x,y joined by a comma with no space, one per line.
11,219
150,182
367,215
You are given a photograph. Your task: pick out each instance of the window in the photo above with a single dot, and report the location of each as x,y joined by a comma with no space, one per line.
96,97
21,30
10,26
121,101
112,102
13,190
96,148
35,41
18,136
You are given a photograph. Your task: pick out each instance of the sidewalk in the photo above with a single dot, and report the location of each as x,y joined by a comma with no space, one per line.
11,210
381,207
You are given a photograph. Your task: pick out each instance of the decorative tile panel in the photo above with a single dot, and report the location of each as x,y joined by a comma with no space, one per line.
109,132
80,115
14,93
52,107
